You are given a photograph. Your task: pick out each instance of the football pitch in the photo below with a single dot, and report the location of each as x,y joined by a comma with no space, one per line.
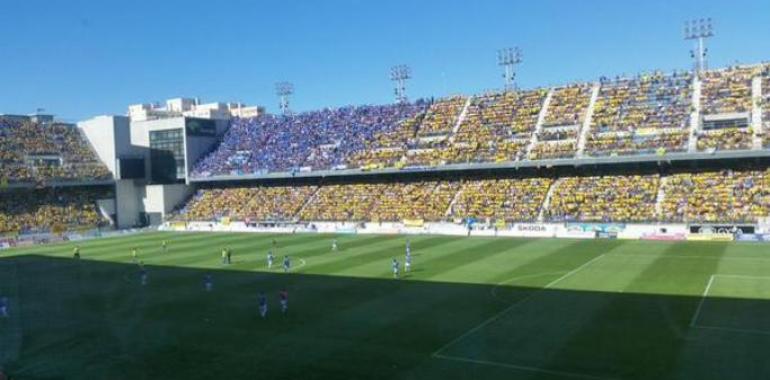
486,308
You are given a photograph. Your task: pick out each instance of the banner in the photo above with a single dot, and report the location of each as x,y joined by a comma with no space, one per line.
665,237
413,222
710,237
346,230
596,227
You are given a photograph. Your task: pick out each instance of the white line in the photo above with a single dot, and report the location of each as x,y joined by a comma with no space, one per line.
702,300
493,291
522,368
675,256
730,329
515,304
743,276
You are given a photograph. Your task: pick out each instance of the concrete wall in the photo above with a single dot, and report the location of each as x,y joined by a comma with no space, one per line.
128,204
100,131
161,199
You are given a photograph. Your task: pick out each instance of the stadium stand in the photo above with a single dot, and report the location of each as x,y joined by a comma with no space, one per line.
604,199
51,209
387,148
502,199
317,139
257,203
497,127
34,152
645,114
727,91
641,115
442,116
717,196
381,202
707,196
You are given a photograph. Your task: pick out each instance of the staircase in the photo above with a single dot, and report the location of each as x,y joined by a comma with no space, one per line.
756,111
547,201
309,199
661,196
586,128
451,206
692,145
461,118
540,121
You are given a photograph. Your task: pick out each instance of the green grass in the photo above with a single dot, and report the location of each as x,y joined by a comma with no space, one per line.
487,308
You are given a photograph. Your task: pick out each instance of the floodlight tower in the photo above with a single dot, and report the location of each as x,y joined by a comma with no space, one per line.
284,90
509,58
699,30
399,74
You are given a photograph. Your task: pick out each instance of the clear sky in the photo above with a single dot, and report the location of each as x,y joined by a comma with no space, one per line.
80,58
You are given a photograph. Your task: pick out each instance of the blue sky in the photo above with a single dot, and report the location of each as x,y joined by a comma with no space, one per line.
83,58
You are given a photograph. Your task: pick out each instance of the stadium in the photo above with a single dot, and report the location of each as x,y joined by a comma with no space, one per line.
612,228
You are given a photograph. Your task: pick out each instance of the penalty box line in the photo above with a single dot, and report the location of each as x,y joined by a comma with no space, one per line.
488,321
703,297
696,316
573,375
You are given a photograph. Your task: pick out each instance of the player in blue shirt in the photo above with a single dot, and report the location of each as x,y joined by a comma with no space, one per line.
4,307
208,282
395,268
286,263
262,301
270,259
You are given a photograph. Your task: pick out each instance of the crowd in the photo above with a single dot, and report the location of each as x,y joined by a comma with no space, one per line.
51,209
717,196
33,152
322,139
627,144
711,196
568,106
605,199
381,201
554,149
387,148
501,199
641,115
497,127
442,116
727,91
644,114
416,200
725,139
276,203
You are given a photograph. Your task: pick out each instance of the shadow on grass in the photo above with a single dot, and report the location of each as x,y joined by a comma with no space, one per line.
89,319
